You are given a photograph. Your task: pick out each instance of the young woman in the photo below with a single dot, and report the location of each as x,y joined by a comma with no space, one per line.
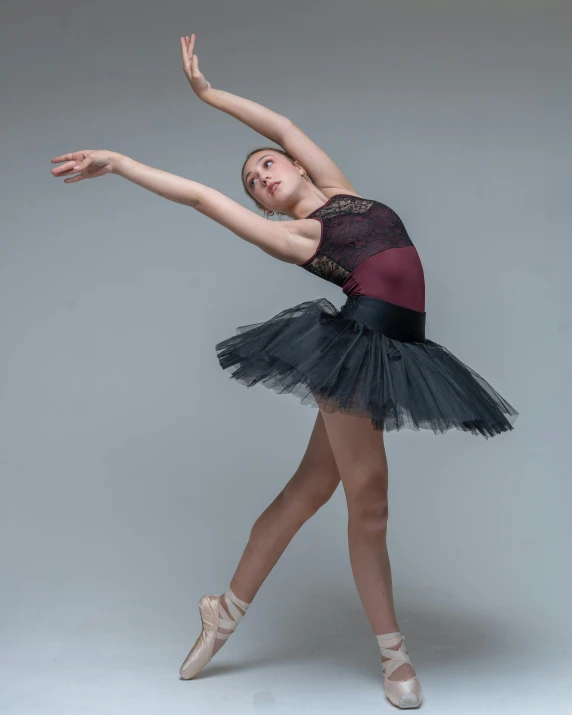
368,367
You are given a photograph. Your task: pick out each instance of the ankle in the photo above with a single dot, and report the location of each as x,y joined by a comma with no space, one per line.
389,640
237,603
401,667
233,609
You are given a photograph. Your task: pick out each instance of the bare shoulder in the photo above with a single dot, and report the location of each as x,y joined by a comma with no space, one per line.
305,234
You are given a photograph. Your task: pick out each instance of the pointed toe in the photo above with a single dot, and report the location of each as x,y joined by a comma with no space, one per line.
201,652
213,616
404,693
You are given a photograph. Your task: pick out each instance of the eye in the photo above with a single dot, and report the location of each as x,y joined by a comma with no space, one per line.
250,183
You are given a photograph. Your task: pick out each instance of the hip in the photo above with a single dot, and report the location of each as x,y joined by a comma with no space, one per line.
394,321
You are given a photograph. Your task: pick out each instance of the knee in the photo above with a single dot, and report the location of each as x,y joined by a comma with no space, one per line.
368,511
317,498
307,501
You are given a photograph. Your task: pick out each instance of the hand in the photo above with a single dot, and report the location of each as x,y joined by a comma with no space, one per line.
89,162
191,68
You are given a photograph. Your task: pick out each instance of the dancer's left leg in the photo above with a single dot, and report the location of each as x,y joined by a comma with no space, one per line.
359,452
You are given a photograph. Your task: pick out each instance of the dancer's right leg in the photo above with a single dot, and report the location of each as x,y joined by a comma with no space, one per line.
311,486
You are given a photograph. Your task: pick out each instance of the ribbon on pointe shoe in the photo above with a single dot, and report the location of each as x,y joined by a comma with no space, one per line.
403,693
230,619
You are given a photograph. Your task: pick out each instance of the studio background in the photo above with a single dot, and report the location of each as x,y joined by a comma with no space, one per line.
133,467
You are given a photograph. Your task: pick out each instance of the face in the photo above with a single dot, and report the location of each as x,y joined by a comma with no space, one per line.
266,168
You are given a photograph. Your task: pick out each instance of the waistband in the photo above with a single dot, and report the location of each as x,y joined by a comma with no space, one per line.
395,321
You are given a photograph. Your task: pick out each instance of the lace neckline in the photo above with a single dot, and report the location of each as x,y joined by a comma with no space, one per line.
330,199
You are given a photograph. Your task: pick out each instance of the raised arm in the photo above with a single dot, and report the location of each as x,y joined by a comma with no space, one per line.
323,171
284,240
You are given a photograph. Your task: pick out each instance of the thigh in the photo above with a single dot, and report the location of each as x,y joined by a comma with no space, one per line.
359,452
317,475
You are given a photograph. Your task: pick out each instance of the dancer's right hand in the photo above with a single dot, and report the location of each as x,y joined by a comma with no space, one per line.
90,163
191,68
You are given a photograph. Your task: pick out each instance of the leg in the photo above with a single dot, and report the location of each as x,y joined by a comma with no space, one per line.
313,483
359,452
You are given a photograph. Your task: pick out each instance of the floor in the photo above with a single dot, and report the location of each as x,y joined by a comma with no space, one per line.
112,676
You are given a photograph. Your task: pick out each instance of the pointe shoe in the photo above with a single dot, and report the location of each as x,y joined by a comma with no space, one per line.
403,693
213,617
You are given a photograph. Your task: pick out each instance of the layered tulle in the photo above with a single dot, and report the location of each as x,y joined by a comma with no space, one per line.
330,361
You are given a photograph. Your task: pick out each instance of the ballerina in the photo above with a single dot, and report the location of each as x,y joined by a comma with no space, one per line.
368,367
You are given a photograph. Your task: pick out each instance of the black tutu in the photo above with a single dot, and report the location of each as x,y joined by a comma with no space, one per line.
370,358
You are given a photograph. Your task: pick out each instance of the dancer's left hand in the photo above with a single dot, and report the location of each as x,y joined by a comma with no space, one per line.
191,68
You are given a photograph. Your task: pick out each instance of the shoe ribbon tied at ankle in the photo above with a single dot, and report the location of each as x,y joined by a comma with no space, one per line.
230,619
397,657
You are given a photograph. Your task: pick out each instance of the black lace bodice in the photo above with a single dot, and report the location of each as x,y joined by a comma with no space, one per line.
353,230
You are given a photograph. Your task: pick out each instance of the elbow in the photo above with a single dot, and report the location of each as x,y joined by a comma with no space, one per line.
195,200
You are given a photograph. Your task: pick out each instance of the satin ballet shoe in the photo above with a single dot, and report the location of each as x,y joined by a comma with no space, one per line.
213,617
403,693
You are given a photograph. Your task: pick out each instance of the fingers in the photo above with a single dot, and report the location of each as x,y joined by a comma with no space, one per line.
187,46
64,169
184,50
63,157
74,179
73,162
189,60
75,156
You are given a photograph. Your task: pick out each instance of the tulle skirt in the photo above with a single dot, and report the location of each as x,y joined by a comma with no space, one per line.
371,359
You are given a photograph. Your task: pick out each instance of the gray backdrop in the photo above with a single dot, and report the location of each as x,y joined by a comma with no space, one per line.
133,468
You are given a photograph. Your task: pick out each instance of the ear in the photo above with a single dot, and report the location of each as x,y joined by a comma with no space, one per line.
299,167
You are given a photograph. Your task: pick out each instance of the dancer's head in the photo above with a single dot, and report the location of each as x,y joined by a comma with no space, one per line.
267,165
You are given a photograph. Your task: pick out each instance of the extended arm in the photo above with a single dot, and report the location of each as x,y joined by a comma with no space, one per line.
265,121
280,239
323,171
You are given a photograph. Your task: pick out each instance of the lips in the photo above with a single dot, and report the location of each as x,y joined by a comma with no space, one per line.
272,187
